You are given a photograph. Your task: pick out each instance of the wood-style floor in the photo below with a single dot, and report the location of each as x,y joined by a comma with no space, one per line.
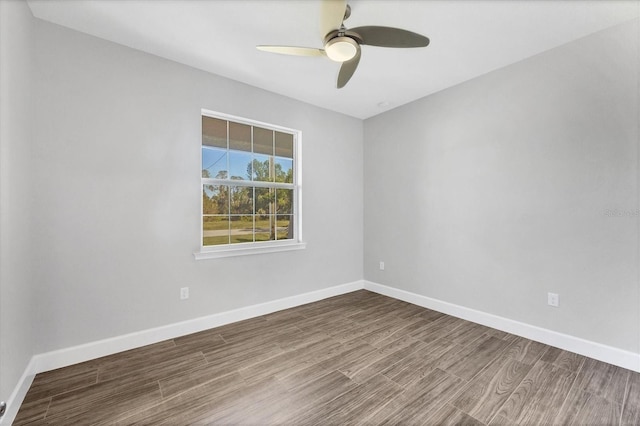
359,358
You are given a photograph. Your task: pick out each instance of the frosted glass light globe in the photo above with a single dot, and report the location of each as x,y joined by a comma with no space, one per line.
341,49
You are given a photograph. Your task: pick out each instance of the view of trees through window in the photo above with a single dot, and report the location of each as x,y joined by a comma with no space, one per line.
247,183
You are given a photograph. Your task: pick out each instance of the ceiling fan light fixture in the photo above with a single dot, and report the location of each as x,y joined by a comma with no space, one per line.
341,49
342,44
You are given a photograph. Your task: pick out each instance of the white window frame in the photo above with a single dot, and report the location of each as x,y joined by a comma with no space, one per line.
257,247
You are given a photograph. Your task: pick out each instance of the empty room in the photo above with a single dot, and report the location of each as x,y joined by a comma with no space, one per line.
319,212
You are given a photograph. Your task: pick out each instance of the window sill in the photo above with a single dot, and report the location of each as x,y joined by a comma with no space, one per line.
226,251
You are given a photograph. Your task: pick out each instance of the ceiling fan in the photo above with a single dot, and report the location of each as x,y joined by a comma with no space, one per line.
343,45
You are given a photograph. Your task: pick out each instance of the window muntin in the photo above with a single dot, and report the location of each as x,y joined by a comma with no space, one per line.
250,193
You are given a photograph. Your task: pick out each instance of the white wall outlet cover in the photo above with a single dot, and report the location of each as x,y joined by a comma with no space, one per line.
184,293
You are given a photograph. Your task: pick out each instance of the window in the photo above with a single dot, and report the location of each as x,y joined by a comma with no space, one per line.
250,187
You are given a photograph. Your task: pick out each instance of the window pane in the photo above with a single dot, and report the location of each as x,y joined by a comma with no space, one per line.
215,230
284,170
284,145
265,198
241,229
214,132
284,201
262,168
214,163
262,141
239,136
240,165
284,226
215,199
265,227
237,154
241,199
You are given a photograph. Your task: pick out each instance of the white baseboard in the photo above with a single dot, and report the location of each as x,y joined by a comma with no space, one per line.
609,354
73,355
69,356
18,394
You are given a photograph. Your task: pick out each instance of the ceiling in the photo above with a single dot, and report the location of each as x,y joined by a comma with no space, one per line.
468,39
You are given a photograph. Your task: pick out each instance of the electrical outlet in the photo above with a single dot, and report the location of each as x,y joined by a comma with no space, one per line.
184,293
553,299
381,266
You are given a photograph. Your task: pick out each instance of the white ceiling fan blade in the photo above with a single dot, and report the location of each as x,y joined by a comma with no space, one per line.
292,50
331,15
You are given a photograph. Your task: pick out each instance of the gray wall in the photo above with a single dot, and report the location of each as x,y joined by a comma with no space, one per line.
117,195
16,119
494,192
